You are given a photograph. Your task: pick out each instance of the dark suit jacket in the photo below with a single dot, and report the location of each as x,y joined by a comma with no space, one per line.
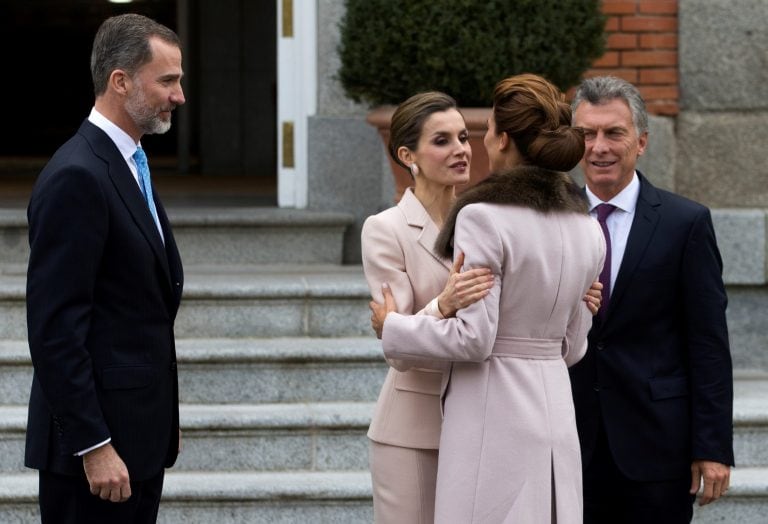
658,368
102,296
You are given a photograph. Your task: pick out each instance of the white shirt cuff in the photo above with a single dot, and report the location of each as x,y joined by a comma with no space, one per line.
433,309
81,453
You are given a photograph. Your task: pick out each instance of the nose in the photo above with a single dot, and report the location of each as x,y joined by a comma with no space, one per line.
600,144
462,148
177,96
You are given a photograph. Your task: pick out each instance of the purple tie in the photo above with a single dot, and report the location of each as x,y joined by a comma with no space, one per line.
603,210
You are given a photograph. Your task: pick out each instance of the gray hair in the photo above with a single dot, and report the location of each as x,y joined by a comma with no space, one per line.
602,89
122,42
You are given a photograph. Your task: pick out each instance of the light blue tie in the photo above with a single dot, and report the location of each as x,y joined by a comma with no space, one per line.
146,184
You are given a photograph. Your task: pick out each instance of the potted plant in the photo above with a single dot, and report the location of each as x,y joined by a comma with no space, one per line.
392,49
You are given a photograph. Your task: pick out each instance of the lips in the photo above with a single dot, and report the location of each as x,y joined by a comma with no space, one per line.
459,165
602,163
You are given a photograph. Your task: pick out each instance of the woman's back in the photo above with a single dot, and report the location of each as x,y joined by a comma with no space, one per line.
547,262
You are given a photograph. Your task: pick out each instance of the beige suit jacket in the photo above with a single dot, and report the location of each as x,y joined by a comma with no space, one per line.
397,248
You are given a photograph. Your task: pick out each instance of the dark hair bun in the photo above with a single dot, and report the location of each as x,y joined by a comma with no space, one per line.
558,150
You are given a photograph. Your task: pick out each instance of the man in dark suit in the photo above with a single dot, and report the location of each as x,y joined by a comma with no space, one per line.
104,284
654,393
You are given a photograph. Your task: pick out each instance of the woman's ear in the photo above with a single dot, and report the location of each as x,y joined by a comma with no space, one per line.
405,155
503,141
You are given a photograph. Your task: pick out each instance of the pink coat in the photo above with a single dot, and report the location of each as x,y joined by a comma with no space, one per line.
397,248
509,430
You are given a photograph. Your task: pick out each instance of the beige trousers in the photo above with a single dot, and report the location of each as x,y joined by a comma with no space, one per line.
404,482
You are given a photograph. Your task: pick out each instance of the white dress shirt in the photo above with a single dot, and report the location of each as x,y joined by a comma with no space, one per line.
125,145
619,222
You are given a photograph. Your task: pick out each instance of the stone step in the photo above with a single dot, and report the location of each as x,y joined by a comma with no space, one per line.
232,498
750,419
338,497
243,301
280,370
225,235
331,435
323,436
246,370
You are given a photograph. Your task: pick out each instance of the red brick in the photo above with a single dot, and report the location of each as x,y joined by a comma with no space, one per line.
619,7
664,108
659,92
630,75
612,24
658,7
649,24
609,59
658,41
622,41
667,75
648,58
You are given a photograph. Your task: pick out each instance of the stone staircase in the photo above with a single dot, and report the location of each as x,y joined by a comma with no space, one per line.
278,373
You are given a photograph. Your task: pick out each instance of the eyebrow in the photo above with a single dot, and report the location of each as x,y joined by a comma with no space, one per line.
444,133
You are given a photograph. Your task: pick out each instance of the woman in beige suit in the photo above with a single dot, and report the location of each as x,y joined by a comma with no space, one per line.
429,137
509,450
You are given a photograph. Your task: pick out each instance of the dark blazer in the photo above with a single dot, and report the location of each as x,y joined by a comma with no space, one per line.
102,295
658,367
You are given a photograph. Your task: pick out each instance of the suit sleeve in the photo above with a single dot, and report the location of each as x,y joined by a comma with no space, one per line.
384,261
68,224
581,317
470,335
709,354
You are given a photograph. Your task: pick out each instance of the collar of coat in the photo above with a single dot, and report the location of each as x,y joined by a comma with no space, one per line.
526,186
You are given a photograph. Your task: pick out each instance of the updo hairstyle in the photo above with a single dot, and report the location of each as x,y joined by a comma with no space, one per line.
534,114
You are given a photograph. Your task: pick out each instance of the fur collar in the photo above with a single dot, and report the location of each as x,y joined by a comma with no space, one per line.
526,186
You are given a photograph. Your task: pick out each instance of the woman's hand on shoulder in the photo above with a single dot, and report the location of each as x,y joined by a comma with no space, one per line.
379,312
594,297
463,288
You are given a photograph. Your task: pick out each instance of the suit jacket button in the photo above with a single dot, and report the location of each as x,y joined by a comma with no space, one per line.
173,366
596,387
599,346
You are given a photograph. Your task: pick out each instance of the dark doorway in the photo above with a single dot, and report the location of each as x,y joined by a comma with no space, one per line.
226,130
47,88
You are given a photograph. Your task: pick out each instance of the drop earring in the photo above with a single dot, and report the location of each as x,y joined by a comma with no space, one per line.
414,170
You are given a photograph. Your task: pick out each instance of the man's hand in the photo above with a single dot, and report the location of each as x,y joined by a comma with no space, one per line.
379,312
463,289
717,478
594,297
107,474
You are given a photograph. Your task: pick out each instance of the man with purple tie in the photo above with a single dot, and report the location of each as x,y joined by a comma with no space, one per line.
654,393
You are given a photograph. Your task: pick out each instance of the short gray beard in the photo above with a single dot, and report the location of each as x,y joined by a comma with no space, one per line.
143,116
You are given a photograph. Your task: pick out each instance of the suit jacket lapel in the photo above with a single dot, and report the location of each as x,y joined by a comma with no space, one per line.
417,216
647,214
129,191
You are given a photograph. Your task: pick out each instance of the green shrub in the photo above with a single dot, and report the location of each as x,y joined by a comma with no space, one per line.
391,49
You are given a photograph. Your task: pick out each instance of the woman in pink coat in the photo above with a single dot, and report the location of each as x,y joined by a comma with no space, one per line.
509,451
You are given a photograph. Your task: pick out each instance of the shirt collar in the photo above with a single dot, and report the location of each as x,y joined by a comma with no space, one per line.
626,200
122,140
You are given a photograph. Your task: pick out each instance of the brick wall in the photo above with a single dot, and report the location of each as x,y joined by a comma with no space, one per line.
642,49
